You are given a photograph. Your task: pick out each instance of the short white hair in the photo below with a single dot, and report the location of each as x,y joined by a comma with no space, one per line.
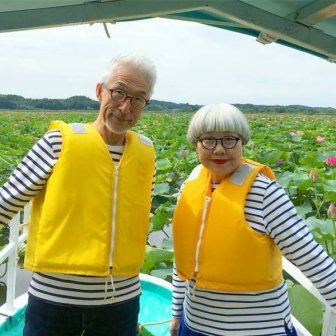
218,118
139,63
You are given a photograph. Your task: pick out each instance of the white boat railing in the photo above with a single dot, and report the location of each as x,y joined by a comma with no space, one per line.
329,317
18,235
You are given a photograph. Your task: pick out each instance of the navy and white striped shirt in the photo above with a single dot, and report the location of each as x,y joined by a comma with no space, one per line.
26,181
268,210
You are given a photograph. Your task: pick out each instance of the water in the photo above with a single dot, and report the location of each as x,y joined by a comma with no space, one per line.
23,278
156,238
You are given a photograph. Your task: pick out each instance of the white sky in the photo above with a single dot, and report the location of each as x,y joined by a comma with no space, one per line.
196,64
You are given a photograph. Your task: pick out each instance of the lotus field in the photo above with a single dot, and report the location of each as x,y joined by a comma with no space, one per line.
301,149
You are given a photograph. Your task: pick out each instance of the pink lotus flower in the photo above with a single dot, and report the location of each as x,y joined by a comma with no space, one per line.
279,162
320,139
296,134
313,175
183,153
331,161
332,211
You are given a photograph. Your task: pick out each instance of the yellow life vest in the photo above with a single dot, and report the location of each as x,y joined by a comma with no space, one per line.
90,215
212,240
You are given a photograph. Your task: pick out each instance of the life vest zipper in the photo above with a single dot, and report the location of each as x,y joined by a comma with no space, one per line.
114,213
201,231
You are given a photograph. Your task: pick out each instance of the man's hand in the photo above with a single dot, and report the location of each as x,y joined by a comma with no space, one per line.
174,326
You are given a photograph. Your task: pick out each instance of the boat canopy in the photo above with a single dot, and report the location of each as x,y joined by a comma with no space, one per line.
307,25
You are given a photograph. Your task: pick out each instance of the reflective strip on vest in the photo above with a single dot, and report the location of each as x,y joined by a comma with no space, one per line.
78,128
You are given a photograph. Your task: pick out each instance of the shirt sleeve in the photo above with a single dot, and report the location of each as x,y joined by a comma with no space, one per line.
179,286
297,244
30,176
179,289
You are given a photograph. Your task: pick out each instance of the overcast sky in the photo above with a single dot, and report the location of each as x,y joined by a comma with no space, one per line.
196,64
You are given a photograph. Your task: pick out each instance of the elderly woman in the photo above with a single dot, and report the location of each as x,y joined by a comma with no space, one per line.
231,226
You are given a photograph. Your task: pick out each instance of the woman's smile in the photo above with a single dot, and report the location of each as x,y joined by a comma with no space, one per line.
219,161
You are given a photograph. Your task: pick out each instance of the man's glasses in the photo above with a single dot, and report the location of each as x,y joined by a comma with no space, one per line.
119,96
227,142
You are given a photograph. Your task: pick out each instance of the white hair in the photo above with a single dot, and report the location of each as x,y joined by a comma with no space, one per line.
139,63
218,118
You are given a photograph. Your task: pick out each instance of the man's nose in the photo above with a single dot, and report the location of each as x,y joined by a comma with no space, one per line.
125,106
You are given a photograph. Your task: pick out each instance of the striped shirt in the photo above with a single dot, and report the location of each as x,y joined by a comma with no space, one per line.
268,210
26,181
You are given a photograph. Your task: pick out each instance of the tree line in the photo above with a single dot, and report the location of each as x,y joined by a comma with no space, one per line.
82,103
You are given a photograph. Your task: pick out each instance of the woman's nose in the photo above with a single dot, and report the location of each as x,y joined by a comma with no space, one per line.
219,148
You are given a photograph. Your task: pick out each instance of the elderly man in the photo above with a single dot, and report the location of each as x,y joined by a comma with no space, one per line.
90,186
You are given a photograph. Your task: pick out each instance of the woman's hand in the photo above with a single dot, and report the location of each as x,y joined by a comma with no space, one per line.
174,326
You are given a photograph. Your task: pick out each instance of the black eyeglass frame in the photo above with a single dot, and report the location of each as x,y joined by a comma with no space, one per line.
146,101
221,141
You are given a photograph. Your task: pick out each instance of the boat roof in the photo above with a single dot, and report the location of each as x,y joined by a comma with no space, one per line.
306,25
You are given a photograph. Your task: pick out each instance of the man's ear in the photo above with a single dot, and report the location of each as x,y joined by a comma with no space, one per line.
99,91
